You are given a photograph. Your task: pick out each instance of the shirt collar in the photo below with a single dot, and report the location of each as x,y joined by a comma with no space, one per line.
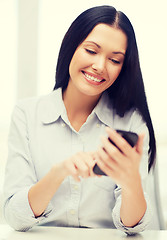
52,107
104,110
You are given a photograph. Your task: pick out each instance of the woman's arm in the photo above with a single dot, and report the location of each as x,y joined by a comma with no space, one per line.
123,167
41,193
25,196
133,205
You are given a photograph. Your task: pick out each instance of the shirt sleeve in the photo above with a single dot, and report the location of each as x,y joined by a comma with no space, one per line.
138,126
20,176
142,224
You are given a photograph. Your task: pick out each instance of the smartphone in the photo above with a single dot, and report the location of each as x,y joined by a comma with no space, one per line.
130,137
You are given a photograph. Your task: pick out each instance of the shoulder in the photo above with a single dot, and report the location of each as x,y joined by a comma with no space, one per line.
131,121
33,102
38,107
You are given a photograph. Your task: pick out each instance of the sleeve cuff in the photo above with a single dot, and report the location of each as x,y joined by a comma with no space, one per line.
19,213
142,224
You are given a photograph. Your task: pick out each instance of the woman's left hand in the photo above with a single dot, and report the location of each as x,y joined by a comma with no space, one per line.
122,164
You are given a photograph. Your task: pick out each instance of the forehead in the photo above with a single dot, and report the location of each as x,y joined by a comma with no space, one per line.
108,37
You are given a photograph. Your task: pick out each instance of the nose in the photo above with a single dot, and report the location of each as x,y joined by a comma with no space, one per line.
99,65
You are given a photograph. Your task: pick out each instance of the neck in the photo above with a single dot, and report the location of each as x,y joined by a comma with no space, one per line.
77,102
78,106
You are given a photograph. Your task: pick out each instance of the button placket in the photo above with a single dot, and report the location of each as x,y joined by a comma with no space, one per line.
77,145
73,208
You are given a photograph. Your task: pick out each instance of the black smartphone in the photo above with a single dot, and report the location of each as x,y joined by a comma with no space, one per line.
130,137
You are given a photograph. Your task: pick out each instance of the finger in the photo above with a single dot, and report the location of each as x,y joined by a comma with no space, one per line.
91,161
104,167
119,141
72,170
110,162
111,150
139,145
70,166
103,155
82,165
96,156
92,154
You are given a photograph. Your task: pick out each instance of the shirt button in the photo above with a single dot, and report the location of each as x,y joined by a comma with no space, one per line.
72,212
63,125
76,187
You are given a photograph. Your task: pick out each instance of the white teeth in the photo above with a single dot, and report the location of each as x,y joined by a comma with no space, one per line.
92,78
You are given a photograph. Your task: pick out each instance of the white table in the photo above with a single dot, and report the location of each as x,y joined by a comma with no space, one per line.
56,233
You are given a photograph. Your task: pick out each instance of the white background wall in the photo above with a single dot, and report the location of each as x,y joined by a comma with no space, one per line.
31,32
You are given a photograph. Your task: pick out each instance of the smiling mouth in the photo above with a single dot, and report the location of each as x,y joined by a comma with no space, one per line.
92,78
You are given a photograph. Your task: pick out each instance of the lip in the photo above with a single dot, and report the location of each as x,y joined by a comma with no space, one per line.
95,76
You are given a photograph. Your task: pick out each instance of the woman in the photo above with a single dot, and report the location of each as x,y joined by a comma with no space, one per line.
56,140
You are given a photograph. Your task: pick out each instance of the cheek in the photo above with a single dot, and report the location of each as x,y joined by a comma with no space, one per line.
73,66
113,72
78,62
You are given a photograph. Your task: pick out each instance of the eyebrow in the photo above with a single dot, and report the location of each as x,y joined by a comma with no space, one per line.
117,52
94,43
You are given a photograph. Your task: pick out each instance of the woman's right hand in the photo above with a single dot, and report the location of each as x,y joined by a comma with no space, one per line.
40,194
79,165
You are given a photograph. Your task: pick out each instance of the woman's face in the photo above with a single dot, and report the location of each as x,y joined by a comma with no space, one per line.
98,60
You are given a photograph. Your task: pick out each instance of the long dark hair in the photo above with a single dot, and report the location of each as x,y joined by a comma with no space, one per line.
128,90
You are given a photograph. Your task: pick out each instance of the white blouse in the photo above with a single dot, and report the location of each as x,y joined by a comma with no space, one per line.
40,136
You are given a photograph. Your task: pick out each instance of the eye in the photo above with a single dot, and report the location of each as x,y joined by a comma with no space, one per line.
115,61
90,51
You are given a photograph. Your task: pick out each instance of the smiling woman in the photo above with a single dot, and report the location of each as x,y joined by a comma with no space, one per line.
55,140
94,67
